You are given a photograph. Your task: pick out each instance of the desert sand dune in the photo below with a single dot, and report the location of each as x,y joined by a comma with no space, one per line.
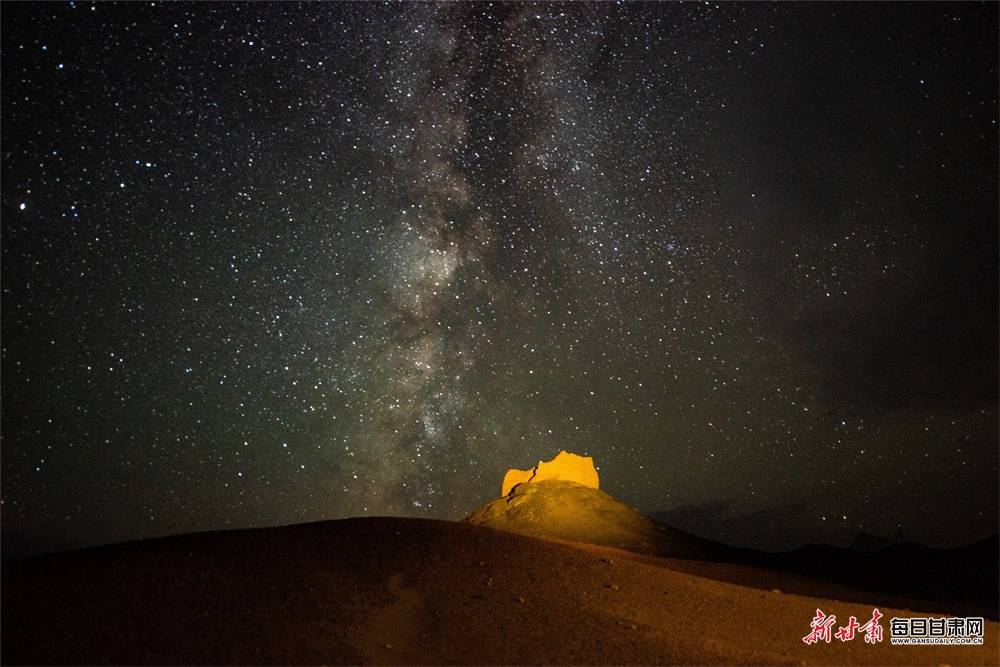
407,591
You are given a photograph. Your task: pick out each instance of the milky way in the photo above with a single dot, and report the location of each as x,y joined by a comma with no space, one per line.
272,263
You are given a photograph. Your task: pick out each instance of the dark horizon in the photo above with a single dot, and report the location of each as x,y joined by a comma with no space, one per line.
731,532
271,263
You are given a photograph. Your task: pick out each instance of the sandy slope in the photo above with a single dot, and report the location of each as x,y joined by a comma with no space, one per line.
962,581
414,592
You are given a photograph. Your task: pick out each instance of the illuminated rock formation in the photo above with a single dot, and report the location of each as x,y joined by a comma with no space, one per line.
565,467
560,499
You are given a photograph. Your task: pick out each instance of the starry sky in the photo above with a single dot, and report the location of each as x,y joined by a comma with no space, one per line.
273,263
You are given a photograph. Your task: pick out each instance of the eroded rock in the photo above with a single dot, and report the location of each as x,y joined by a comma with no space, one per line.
566,467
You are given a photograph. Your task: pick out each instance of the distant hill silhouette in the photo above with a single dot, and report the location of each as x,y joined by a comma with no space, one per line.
20,543
866,541
962,579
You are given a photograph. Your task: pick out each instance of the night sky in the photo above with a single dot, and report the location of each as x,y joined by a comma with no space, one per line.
275,263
